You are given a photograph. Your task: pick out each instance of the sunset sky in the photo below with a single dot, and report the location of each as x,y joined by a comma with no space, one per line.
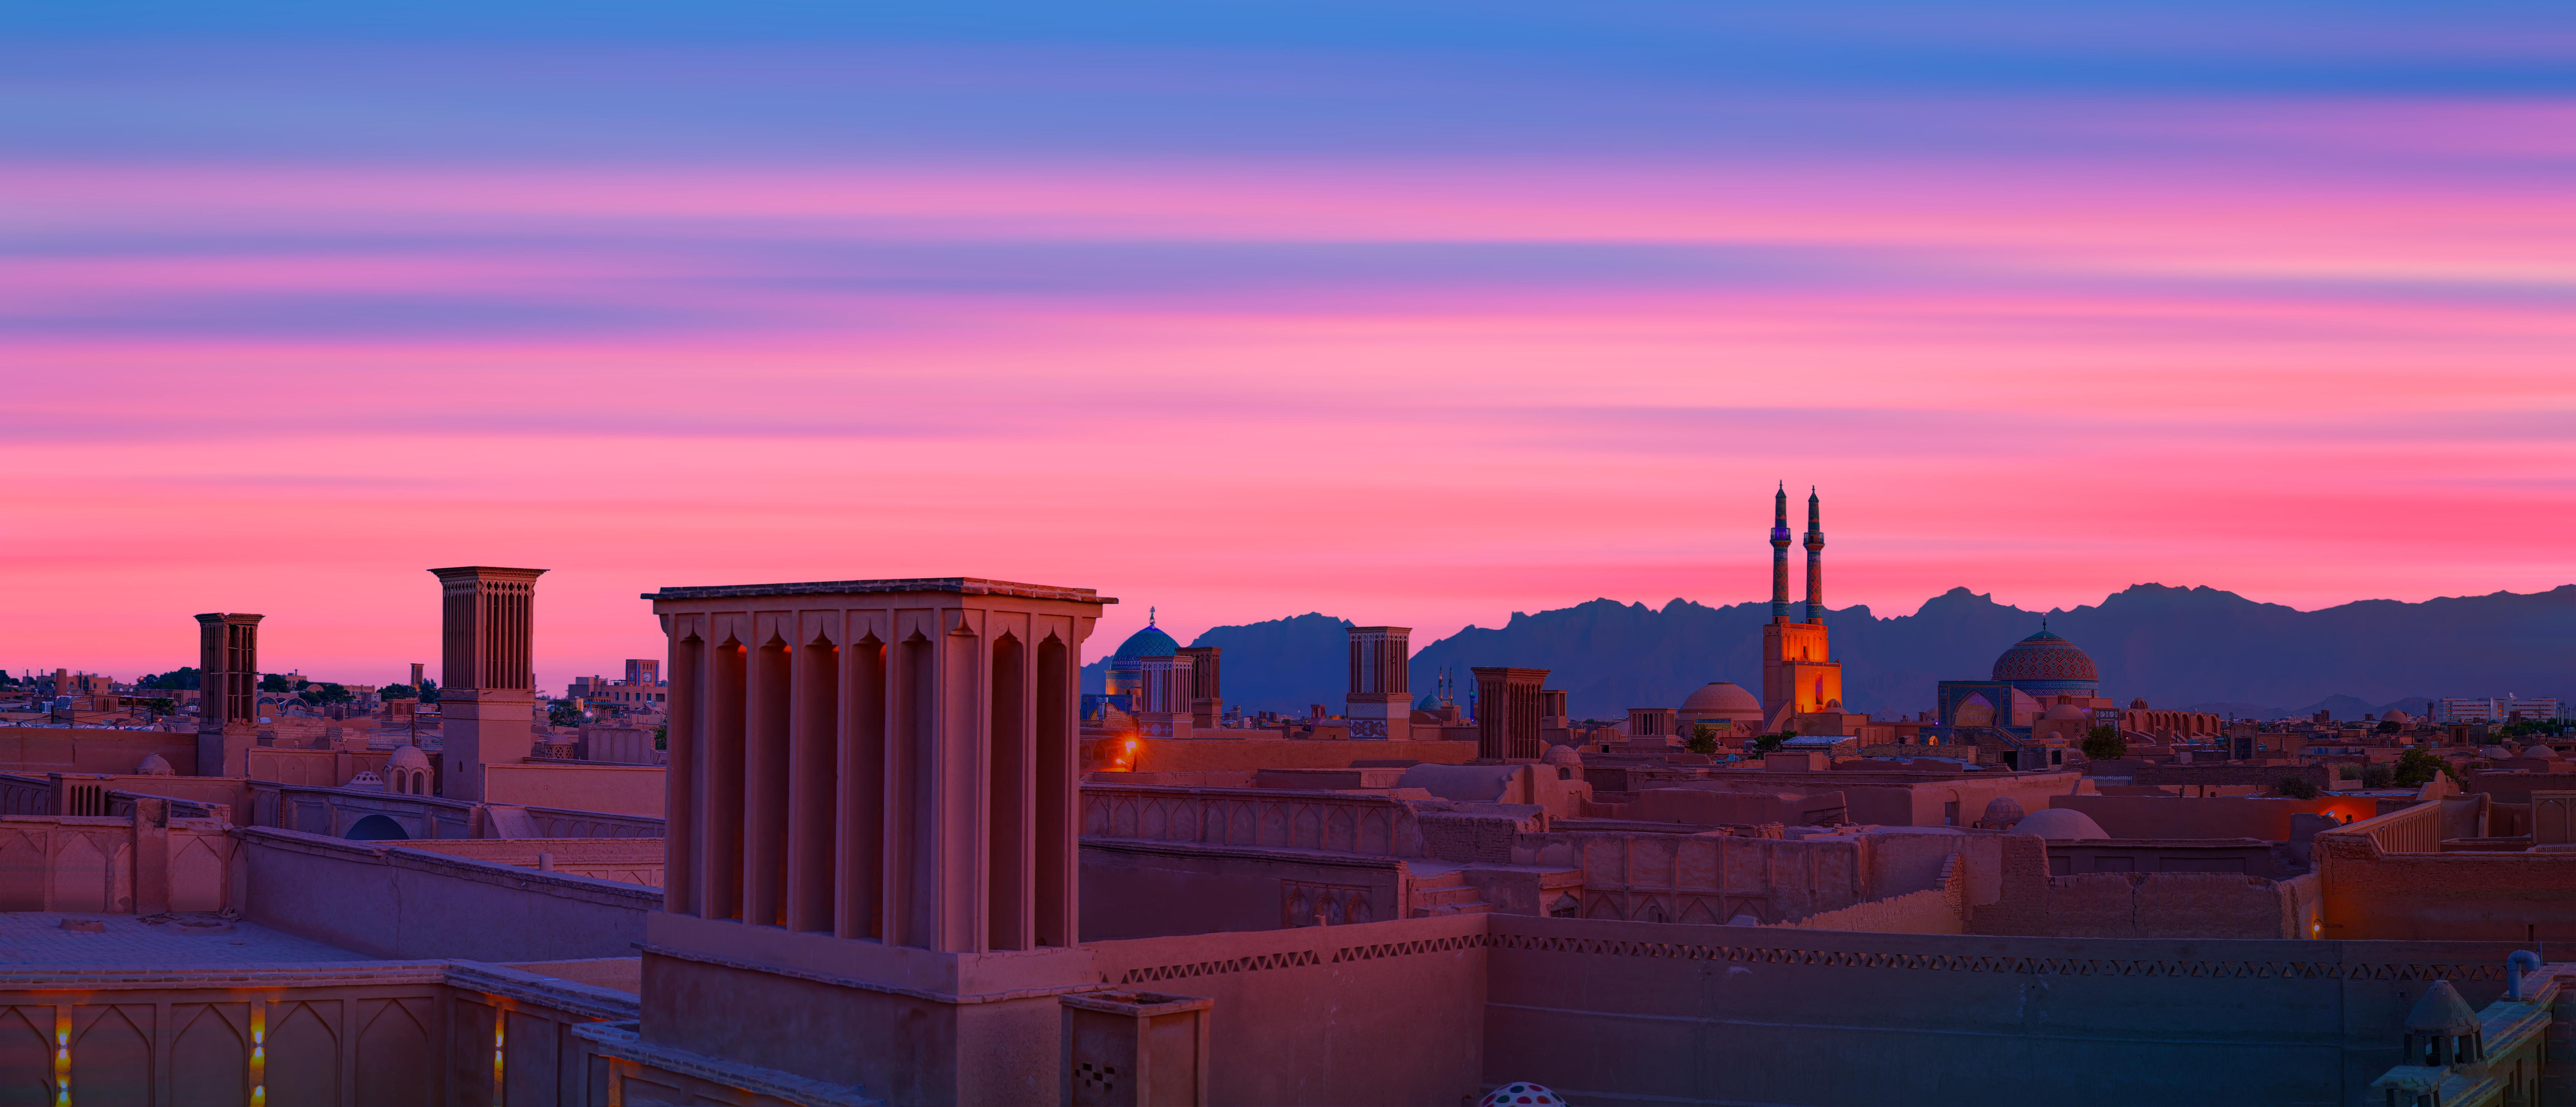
1409,313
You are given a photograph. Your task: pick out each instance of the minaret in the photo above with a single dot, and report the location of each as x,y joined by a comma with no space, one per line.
1815,558
1780,553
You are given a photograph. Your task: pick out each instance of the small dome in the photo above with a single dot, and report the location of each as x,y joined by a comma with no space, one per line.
1561,755
2137,705
1149,642
1521,1093
2399,717
2442,1011
2067,711
2049,660
2061,824
2002,813
408,757
154,764
1724,699
366,781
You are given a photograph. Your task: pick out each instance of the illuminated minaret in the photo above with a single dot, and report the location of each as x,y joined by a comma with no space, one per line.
1780,553
1815,558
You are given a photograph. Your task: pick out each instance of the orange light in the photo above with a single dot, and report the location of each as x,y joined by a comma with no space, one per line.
1131,745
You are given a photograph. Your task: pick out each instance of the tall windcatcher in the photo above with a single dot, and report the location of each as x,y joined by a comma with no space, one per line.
1815,558
228,693
487,691
1380,703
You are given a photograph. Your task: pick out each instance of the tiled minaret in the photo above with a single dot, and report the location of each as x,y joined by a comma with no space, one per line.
1780,553
1815,558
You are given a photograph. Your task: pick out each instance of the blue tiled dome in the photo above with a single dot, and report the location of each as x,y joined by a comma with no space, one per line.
1149,642
2045,658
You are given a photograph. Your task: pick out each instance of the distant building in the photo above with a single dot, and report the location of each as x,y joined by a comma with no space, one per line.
2493,709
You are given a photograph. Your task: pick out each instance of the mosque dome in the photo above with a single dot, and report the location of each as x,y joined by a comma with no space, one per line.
2067,711
2063,824
1723,699
2045,662
2137,705
408,757
1561,755
154,765
2002,813
1149,642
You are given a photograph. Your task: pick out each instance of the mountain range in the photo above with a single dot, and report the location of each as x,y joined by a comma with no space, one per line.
2192,648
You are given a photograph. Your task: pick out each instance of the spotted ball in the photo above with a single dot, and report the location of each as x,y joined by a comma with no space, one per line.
1520,1094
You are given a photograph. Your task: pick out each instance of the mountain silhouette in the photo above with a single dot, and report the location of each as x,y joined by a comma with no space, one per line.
2198,648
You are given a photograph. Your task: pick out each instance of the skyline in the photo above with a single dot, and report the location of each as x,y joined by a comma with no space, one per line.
1396,313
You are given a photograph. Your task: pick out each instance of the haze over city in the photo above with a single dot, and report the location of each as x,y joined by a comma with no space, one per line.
1419,311
798,554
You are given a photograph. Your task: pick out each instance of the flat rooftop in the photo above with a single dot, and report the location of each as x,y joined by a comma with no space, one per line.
37,939
966,586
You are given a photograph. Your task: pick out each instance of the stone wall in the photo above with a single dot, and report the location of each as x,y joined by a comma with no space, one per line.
635,861
387,901
1151,889
377,1035
114,865
39,750
1623,1013
1931,911
2175,905
1195,755
616,789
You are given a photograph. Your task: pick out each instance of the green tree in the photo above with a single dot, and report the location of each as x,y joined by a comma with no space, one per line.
1768,742
1702,740
398,692
2297,787
275,682
662,737
2387,726
428,690
185,676
2379,776
2417,767
158,707
563,713
327,693
2103,743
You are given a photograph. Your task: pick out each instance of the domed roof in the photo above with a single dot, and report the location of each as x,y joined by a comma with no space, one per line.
2067,711
2442,1011
154,765
1561,755
2045,656
2137,705
407,757
2002,813
2063,824
1149,642
1724,697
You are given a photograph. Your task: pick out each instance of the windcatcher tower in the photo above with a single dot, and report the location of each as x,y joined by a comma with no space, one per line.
228,693
1799,674
1380,704
487,694
872,831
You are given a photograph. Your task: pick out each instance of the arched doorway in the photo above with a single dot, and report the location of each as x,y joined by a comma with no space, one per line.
377,828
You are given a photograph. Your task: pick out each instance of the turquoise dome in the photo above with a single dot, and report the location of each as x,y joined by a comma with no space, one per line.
2045,663
1149,642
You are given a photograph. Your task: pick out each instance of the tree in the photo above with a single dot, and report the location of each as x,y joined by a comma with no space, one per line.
319,693
563,713
2378,776
1769,742
2103,743
185,676
662,737
2387,726
275,682
428,690
2297,787
398,692
2417,766
158,707
6,680
1702,740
